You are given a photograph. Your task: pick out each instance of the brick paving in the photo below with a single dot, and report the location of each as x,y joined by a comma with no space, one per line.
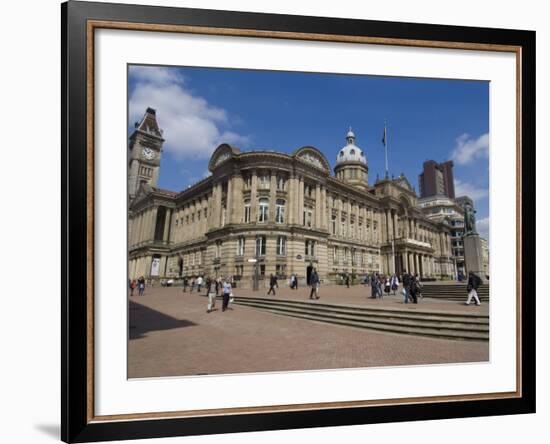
172,335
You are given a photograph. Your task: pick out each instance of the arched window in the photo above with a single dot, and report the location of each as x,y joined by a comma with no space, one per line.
264,210
280,211
352,152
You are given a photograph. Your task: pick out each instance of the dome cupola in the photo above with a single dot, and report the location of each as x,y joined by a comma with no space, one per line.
351,152
351,163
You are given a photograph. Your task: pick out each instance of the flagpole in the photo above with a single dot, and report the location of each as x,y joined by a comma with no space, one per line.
386,148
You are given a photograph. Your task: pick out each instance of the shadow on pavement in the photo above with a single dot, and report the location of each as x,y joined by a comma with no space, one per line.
143,320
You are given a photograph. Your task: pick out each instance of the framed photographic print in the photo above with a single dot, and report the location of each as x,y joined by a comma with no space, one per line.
276,221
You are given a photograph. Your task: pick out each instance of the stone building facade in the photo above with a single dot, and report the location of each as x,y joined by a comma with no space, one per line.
266,212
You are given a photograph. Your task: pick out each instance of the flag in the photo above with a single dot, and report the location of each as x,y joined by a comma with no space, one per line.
384,137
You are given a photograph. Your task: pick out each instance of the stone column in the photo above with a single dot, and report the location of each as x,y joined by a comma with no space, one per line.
301,201
254,198
324,211
272,197
153,222
291,202
167,218
229,201
404,262
416,264
317,223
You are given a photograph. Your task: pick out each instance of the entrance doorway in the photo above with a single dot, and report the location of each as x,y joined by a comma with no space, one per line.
309,269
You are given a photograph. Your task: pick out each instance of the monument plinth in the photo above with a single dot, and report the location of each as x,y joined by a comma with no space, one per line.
473,255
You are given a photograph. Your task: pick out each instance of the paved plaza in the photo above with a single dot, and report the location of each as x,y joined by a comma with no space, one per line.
172,335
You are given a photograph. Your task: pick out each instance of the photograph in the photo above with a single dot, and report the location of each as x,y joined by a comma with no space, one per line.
282,221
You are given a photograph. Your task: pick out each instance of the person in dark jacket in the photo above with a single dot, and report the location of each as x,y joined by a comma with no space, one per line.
314,282
272,284
347,280
474,282
406,287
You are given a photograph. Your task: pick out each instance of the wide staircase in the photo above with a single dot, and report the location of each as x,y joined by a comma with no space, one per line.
452,291
459,326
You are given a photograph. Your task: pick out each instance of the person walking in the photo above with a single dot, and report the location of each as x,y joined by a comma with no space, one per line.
200,283
406,287
394,282
226,290
211,295
474,281
133,285
293,282
314,282
218,285
414,288
185,284
192,286
374,286
387,285
272,284
347,280
141,286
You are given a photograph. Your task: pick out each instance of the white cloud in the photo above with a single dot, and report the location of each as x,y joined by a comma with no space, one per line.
482,226
470,190
468,149
193,128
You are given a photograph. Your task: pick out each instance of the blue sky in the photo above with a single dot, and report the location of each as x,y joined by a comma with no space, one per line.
199,108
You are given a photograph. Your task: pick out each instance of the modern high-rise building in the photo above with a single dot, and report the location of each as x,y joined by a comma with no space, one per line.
437,179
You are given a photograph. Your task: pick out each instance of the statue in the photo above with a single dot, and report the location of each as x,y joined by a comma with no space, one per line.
469,220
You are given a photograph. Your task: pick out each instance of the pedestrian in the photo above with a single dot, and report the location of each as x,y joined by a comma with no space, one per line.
272,284
374,284
141,286
314,282
394,283
474,281
185,284
347,280
199,283
293,282
406,287
211,295
414,289
133,285
218,285
226,289
387,285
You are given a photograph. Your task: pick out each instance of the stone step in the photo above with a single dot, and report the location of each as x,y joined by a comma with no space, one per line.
386,320
389,328
425,323
452,317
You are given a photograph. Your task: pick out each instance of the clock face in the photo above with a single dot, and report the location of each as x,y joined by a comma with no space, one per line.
148,153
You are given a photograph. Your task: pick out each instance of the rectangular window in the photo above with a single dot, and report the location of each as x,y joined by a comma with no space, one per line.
263,210
280,270
310,248
246,211
280,211
240,246
281,245
260,246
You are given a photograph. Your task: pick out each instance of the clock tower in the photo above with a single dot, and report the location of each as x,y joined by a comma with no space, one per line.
144,152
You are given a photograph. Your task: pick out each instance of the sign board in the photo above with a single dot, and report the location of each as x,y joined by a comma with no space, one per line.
252,261
299,257
155,266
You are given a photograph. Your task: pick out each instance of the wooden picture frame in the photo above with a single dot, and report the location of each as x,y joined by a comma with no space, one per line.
79,22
